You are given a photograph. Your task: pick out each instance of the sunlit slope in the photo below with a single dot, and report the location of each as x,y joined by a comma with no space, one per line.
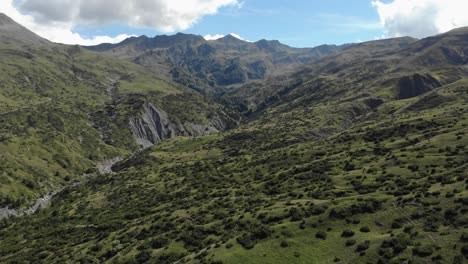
390,187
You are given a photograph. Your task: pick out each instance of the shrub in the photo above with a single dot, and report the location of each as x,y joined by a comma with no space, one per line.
246,241
464,237
369,205
261,232
317,209
363,246
295,214
321,235
347,233
464,251
143,256
350,242
159,242
396,225
284,244
398,243
423,250
364,229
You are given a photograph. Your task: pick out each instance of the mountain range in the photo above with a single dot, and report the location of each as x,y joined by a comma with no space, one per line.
209,66
175,149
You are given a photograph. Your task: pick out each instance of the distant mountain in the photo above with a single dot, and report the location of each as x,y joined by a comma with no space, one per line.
444,50
387,69
208,66
13,33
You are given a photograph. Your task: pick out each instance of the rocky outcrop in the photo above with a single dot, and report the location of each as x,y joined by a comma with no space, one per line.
154,125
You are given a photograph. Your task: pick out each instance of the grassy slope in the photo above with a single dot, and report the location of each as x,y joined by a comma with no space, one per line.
47,98
270,192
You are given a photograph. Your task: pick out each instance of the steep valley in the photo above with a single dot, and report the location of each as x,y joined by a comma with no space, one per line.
63,109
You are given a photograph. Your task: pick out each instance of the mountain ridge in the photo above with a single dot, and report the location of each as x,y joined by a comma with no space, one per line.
11,32
209,66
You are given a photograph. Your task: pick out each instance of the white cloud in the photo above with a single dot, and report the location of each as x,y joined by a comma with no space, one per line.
421,18
55,19
213,37
60,32
218,36
163,15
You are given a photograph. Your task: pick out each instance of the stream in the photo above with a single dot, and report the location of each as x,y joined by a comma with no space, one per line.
103,167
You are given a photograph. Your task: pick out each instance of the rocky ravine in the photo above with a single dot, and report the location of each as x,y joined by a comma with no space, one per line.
103,167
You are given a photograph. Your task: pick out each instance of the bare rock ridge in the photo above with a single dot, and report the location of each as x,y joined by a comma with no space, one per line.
154,126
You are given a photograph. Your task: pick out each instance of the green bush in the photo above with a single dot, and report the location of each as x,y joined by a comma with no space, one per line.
246,241
159,242
464,251
347,233
364,229
423,250
321,235
363,246
284,244
464,237
350,242
143,256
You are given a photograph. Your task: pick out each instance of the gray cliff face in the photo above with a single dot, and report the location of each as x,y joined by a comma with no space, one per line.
153,126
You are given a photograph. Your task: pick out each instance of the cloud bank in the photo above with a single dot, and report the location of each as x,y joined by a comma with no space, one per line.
421,18
55,19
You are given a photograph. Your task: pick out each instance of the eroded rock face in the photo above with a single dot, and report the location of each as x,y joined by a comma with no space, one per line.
154,125
411,86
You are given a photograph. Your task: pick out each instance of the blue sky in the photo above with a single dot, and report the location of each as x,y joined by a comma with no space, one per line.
299,23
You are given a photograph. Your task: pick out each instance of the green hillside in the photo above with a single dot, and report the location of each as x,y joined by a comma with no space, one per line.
64,109
359,157
391,189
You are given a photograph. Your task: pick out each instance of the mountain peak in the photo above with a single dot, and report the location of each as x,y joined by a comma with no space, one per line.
229,38
270,45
